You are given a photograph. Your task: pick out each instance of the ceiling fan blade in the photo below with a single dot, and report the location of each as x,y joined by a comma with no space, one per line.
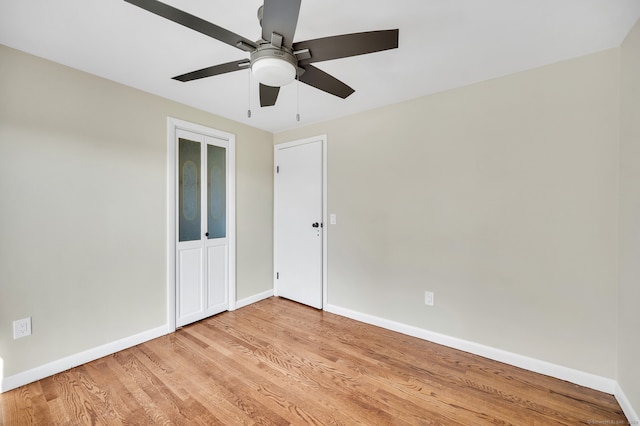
280,17
342,46
268,95
193,22
326,82
214,70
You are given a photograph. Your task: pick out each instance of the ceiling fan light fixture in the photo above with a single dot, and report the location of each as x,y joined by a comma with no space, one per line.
273,71
273,66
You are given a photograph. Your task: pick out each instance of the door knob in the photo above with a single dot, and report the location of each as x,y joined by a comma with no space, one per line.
316,225
206,234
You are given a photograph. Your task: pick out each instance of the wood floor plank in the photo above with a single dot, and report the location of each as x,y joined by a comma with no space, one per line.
280,363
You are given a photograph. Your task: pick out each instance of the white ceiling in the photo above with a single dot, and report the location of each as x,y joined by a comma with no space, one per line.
443,44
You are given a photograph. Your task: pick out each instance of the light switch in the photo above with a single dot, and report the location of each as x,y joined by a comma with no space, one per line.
332,219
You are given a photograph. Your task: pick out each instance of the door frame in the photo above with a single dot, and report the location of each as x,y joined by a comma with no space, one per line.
276,149
174,124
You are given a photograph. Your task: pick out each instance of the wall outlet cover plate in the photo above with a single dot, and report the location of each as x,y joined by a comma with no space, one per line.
428,298
22,328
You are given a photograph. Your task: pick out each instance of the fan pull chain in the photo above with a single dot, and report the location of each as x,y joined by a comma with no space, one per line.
298,98
249,87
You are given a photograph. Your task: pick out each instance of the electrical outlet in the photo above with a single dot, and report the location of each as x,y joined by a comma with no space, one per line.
428,298
22,328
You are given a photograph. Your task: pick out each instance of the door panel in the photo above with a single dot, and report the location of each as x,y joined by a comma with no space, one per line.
216,242
299,223
190,278
217,276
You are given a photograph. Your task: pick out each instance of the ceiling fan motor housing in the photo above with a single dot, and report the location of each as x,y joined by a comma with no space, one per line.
273,66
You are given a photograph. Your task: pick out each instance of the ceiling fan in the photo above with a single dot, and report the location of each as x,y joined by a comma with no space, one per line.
276,60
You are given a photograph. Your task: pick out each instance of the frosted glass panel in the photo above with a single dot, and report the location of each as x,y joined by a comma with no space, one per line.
216,191
189,190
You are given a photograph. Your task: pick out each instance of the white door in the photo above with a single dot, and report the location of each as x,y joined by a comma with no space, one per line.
202,230
299,221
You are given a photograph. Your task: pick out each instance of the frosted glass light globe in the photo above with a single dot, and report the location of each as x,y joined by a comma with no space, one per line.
273,71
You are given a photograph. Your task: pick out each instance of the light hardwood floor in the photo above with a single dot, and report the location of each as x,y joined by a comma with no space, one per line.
278,363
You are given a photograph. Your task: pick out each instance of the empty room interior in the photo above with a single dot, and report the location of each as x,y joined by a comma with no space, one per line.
476,180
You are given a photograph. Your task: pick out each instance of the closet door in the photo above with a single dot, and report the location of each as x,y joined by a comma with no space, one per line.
202,246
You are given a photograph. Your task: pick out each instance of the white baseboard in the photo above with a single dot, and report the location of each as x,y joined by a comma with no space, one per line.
628,410
58,366
253,299
581,378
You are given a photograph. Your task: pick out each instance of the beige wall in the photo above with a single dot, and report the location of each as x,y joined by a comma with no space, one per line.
500,197
83,209
628,366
